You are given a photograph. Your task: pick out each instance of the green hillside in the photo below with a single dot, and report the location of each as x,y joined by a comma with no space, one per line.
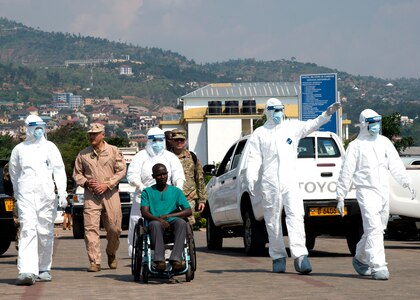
32,66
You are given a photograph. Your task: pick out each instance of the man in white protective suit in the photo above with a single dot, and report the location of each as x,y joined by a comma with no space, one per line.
35,165
368,160
139,173
273,156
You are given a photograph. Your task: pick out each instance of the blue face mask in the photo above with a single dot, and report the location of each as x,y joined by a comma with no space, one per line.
374,129
158,146
277,117
38,133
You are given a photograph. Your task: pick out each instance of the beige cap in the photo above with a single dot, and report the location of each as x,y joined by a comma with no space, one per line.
96,127
179,134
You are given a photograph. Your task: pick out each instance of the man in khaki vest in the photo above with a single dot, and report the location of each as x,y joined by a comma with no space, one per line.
99,168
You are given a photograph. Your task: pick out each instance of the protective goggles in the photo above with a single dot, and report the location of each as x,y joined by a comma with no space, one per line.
276,108
372,120
156,137
37,124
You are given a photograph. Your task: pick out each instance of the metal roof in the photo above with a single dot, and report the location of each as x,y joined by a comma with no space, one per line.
251,89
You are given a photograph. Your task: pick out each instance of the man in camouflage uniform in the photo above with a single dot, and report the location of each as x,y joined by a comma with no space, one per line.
194,187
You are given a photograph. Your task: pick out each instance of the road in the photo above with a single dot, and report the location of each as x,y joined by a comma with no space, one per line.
225,274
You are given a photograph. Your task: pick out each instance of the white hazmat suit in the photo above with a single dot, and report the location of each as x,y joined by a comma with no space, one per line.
368,158
273,155
35,165
139,173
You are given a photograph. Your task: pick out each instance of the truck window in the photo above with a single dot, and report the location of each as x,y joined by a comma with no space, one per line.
225,164
306,148
238,154
327,147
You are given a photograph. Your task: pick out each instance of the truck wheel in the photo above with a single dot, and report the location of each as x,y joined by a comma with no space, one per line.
354,235
213,235
78,230
253,233
4,245
310,241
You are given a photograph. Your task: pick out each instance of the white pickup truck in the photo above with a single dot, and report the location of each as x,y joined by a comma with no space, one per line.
232,212
404,212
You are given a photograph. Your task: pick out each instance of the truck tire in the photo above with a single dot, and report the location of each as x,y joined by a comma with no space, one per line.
310,241
354,234
254,230
78,228
213,235
4,246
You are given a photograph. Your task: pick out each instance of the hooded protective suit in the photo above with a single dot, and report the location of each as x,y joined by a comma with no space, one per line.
139,173
368,158
33,165
273,154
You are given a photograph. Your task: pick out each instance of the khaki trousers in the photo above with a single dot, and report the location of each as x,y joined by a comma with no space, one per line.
109,210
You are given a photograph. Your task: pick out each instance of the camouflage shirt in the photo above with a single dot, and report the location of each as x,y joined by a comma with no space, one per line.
194,186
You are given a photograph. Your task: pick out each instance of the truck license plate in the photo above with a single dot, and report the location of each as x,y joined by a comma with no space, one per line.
325,211
8,203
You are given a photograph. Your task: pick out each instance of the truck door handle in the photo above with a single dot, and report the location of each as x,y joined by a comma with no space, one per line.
234,178
222,182
326,174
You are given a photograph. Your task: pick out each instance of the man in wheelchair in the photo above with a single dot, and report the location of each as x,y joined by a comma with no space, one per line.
165,208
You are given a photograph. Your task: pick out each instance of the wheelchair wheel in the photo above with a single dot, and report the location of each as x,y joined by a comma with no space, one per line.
145,274
191,249
190,273
137,253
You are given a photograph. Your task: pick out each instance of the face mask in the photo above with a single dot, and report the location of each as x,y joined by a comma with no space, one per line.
277,117
157,147
374,128
38,133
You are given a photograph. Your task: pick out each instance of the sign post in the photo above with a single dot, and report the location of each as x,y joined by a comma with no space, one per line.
318,91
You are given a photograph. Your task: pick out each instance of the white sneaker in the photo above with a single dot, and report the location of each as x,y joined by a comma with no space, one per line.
380,275
25,279
44,276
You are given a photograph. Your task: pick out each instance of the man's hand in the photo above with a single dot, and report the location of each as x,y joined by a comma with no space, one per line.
340,206
138,184
201,207
332,108
412,191
162,220
62,201
96,187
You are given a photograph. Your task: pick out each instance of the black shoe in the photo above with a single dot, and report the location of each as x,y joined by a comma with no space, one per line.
159,266
178,265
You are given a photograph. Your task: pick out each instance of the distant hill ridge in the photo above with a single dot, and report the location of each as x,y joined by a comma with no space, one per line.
32,65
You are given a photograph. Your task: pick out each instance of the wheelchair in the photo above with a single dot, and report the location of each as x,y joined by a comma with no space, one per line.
142,260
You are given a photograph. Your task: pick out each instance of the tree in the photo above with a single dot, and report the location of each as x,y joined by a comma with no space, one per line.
70,140
391,128
7,143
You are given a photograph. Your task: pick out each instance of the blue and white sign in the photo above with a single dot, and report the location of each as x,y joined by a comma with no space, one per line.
318,91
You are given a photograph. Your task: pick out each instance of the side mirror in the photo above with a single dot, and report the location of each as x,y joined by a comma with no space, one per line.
209,170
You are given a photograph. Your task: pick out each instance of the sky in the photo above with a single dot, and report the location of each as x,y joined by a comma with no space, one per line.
380,38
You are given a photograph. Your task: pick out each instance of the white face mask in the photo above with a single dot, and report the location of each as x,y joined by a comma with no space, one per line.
158,146
277,117
374,129
38,133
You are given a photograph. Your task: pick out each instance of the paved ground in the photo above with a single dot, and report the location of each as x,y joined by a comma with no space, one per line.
226,274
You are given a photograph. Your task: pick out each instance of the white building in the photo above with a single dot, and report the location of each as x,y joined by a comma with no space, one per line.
216,115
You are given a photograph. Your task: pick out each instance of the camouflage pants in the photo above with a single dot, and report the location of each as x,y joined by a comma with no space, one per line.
193,203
